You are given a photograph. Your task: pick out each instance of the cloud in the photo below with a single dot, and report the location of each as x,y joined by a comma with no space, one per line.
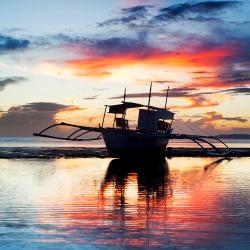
194,96
208,58
196,102
101,56
11,81
128,15
119,46
174,92
236,76
42,106
8,43
211,123
91,97
200,12
194,99
215,123
214,116
238,90
200,72
193,10
26,119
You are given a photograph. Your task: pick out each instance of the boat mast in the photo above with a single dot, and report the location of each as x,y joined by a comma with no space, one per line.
124,96
149,96
166,98
104,114
124,99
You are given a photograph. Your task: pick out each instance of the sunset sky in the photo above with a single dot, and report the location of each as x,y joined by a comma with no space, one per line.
63,60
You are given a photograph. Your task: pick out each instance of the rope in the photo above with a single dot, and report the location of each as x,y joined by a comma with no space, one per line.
189,126
202,131
180,130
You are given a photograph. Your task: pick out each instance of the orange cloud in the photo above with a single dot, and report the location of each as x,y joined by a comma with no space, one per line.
104,65
196,102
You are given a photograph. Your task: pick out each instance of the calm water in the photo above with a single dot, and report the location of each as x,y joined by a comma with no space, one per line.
181,203
45,142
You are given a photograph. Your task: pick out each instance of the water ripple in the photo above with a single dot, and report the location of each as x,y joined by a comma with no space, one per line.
182,203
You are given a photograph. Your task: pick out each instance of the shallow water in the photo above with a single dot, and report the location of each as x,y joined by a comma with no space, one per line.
46,142
181,203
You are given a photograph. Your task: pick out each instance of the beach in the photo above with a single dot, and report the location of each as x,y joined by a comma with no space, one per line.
43,148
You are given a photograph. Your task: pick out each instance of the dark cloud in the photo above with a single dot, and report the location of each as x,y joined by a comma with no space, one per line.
67,38
241,90
106,46
137,95
139,10
200,72
12,30
128,15
121,45
193,10
43,106
181,91
201,12
8,43
91,97
217,116
238,90
26,119
174,92
158,81
236,76
10,81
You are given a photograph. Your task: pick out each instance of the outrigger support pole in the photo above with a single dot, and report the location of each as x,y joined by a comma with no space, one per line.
74,136
198,139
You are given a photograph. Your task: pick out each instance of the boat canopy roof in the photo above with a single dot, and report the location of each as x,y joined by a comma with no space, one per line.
121,109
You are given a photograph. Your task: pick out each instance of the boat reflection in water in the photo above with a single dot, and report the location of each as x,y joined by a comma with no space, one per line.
91,203
137,189
152,177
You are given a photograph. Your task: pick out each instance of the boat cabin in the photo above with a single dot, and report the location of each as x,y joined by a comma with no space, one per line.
150,119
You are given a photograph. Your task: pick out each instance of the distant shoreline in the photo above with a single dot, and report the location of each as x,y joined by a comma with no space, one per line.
79,152
222,136
234,136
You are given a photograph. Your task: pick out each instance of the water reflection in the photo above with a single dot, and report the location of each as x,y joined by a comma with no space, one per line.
152,177
216,163
122,204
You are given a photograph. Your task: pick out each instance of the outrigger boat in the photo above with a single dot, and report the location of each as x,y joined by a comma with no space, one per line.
150,137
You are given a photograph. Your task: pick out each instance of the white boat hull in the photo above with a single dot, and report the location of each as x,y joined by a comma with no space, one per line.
125,143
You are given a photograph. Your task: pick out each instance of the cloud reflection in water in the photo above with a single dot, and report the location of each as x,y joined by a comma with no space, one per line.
114,204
